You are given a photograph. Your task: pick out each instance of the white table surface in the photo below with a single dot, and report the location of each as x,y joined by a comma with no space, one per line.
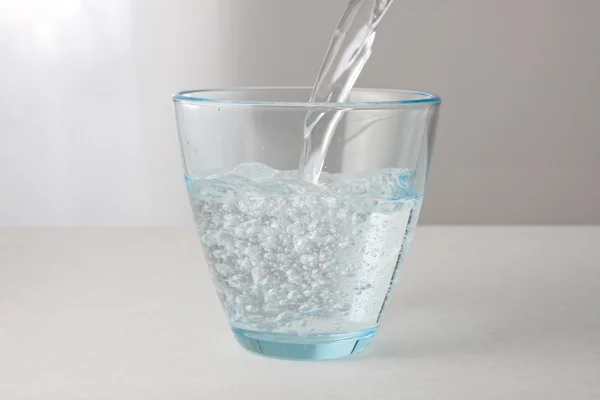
478,313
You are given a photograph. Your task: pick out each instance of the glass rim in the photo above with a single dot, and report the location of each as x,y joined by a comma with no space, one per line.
202,96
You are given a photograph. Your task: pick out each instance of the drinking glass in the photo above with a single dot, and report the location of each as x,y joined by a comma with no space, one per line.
304,269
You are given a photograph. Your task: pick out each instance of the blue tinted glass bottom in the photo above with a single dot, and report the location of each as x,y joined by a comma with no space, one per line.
309,347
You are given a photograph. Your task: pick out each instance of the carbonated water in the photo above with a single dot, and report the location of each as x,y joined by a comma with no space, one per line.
292,257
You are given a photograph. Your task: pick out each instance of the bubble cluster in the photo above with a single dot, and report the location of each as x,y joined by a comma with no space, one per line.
289,256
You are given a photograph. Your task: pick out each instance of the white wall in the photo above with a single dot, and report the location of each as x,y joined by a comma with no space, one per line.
87,135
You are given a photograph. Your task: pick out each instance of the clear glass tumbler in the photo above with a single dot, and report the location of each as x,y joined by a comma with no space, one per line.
304,270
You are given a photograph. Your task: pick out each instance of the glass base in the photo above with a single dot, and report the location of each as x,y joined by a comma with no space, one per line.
308,347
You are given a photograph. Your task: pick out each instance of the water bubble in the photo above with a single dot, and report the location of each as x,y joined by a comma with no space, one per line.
201,226
257,274
253,253
287,287
341,307
304,308
304,259
270,242
243,299
283,203
252,228
295,229
275,225
239,282
224,269
320,283
256,318
294,295
284,303
345,244
244,206
231,221
268,282
208,240
273,296
300,245
271,308
285,316
245,263
240,232
331,202
328,266
317,312
342,214
217,254
294,275
227,208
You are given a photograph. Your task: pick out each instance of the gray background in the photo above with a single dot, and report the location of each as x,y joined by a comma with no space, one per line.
518,138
